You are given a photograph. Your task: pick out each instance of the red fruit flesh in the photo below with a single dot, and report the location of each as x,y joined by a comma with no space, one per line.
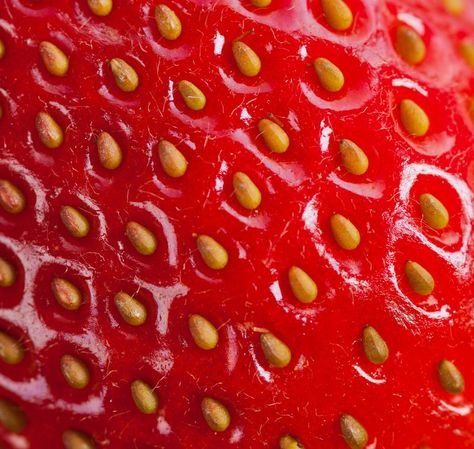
400,403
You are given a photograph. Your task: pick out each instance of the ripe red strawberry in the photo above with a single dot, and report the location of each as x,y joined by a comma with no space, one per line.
240,224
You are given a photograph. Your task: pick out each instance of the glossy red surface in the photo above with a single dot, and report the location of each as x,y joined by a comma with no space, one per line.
400,403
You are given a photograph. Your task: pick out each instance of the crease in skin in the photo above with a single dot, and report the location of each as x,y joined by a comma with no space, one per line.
265,375
367,376
461,410
260,221
241,88
372,190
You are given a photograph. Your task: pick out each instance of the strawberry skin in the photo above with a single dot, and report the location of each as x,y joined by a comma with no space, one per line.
152,298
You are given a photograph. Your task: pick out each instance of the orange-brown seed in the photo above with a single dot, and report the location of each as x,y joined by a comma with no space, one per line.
213,253
450,377
2,49
375,347
454,7
142,239
66,294
11,350
261,3
168,23
73,439
75,371
246,192
193,97
434,213
414,118
124,74
276,352
337,14
49,132
247,60
354,433
419,279
289,442
204,333
354,159
12,417
100,7
216,414
109,151
410,45
466,49
12,199
7,273
54,59
132,311
144,397
347,236
329,75
276,139
302,285
172,160
74,221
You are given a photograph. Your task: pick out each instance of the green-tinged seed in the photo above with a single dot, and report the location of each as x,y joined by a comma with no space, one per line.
132,311
204,333
289,442
193,97
419,279
11,350
213,253
142,239
66,294
354,159
354,433
337,14
434,213
7,273
347,236
276,352
467,52
54,59
100,8
276,139
49,132
12,199
109,151
302,286
410,45
11,416
246,192
75,371
144,397
450,377
168,23
329,75
216,414
124,74
247,60
375,347
414,118
172,160
75,222
73,439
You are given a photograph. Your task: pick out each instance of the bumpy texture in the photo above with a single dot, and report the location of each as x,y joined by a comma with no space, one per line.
405,400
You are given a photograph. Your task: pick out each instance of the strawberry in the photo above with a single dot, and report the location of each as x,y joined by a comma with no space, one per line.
239,224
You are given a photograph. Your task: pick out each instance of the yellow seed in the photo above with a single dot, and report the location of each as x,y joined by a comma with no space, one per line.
213,253
7,273
434,212
289,442
11,350
131,310
142,239
353,432
419,279
172,160
246,192
329,75
12,199
274,136
454,7
11,416
2,49
302,286
144,397
124,74
353,157
204,333
100,7
276,352
247,60
216,414
54,59
75,222
375,347
467,52
168,23
66,294
414,119
49,132
192,95
109,151
450,377
75,371
410,45
73,439
345,233
261,3
337,14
